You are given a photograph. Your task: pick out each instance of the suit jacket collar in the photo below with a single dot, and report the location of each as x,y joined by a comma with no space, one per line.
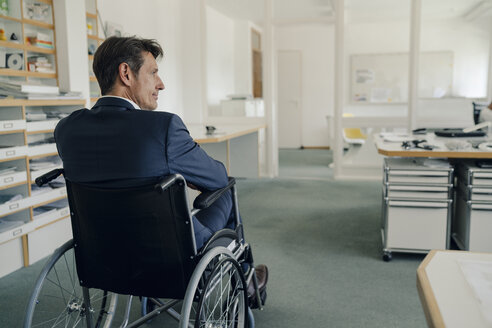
115,102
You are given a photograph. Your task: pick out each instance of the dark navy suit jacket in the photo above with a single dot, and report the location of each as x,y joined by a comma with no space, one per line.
115,145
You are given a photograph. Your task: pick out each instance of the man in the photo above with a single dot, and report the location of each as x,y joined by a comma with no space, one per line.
122,142
486,114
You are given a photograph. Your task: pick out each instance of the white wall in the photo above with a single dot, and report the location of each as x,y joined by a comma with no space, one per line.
174,25
243,67
220,58
470,43
374,38
316,45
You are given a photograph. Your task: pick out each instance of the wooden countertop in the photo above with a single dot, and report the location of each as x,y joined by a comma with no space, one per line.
222,133
446,295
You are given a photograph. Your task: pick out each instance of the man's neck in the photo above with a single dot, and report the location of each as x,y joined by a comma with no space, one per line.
124,98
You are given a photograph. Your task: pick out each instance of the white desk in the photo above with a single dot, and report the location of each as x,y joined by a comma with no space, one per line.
446,295
395,149
237,146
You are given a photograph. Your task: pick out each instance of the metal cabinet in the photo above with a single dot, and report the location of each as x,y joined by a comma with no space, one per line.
417,205
472,222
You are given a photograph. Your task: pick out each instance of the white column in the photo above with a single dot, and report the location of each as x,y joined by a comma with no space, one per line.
269,92
189,36
489,83
339,86
413,64
71,46
203,49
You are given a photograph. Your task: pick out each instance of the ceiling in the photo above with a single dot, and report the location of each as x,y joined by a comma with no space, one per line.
355,10
253,10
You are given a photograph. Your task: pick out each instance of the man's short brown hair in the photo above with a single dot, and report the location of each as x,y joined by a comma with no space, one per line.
116,50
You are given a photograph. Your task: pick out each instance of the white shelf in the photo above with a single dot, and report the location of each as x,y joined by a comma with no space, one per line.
38,221
12,152
13,178
12,207
48,196
42,242
16,232
47,218
11,255
12,125
37,200
41,150
41,125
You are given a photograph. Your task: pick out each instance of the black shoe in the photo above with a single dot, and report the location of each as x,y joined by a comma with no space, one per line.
262,279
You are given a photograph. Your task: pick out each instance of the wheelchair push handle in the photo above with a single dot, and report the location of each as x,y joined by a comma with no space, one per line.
47,177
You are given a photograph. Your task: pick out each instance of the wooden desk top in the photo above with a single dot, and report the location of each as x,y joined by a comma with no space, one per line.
447,297
394,148
222,133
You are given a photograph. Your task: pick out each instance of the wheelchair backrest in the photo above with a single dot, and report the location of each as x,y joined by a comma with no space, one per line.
136,241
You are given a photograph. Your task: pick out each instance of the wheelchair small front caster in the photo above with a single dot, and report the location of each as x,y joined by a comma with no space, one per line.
251,319
146,306
387,256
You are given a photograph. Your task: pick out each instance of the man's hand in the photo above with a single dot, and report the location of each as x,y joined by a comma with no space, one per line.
191,186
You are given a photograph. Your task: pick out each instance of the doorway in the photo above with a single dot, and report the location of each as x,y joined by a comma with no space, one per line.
289,99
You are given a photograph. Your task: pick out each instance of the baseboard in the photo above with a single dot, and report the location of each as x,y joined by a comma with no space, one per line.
316,147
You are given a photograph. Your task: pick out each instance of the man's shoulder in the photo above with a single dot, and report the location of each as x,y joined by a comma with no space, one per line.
137,116
156,113
74,115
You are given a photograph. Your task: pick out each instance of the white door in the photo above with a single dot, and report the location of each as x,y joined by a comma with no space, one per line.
289,99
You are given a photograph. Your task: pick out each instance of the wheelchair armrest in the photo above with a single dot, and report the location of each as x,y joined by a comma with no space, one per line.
205,199
47,177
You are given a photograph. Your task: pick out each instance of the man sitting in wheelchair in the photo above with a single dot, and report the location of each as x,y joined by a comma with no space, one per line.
123,143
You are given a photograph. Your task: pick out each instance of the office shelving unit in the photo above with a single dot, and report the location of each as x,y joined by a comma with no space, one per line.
28,234
93,41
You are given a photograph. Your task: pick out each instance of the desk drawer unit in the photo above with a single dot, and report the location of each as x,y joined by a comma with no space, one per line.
472,225
416,226
417,205
472,221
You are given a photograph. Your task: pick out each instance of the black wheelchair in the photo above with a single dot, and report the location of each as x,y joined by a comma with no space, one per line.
139,242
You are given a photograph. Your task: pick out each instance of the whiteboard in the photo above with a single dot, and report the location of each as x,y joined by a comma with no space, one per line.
383,78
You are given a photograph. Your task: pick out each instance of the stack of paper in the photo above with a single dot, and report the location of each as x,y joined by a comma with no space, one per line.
22,89
7,170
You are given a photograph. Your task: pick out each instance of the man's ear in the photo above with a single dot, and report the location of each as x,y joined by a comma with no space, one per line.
125,74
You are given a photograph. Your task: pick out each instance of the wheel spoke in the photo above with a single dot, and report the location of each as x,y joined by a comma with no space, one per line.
57,301
223,297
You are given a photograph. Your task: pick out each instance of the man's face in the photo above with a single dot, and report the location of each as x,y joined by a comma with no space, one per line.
147,84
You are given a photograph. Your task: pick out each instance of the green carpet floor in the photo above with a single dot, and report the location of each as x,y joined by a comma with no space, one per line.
321,241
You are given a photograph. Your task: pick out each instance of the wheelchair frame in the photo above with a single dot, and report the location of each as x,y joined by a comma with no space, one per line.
218,266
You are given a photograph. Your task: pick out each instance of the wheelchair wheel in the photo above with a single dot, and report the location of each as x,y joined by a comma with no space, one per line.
57,299
216,295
